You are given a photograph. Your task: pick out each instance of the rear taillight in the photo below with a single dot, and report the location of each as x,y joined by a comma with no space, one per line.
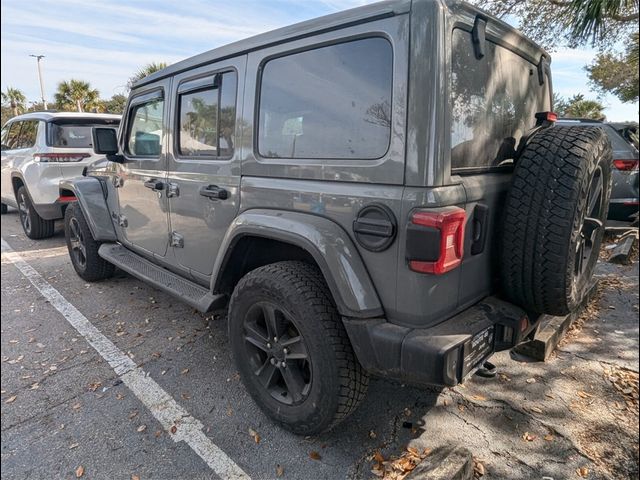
435,240
626,165
60,157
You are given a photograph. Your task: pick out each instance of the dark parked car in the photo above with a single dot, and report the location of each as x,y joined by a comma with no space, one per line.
379,191
624,190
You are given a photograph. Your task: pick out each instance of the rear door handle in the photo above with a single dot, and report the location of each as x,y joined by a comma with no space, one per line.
154,184
215,192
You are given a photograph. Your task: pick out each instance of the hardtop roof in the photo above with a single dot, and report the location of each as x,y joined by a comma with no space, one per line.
49,115
318,25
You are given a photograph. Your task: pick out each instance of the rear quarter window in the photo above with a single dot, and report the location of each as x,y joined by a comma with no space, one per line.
28,134
493,103
331,102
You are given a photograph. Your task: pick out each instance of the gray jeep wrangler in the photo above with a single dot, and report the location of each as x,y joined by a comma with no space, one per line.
379,191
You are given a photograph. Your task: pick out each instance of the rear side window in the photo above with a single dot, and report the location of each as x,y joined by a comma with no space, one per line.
145,128
207,119
70,136
28,134
618,143
494,102
10,135
332,102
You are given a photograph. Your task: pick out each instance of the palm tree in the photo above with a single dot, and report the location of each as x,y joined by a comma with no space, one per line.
145,71
579,107
76,94
588,18
16,100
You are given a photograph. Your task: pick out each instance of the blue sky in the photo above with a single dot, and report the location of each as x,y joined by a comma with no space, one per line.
105,42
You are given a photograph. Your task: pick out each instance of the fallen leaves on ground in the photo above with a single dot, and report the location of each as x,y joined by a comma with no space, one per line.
548,437
529,437
173,429
531,380
315,455
11,399
279,470
141,428
398,468
184,371
79,471
626,382
479,469
582,472
254,435
93,386
135,477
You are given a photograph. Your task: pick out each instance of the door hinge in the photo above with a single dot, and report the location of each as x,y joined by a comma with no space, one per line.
172,190
176,240
120,219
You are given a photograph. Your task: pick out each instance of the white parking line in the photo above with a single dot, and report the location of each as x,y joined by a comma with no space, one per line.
166,410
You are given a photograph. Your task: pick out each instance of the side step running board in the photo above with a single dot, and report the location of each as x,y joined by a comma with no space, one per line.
189,292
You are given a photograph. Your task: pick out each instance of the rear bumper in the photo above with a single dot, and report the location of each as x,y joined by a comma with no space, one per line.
443,354
52,211
623,208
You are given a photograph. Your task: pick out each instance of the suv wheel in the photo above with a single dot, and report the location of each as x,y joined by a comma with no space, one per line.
292,350
34,226
555,213
83,249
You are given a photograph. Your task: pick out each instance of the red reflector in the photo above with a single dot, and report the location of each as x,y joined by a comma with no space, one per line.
626,165
66,198
546,116
61,157
450,222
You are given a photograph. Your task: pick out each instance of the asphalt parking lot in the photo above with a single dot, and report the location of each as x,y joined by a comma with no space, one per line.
147,389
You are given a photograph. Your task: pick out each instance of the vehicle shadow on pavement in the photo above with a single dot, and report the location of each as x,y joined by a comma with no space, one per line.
576,414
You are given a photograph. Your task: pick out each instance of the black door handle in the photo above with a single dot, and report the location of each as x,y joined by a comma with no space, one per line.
153,184
215,192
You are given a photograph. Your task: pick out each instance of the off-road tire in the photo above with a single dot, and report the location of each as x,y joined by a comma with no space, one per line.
338,382
3,208
94,267
35,227
545,215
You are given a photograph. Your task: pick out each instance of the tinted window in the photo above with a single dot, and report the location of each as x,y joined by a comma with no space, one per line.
28,134
13,135
494,102
207,119
145,128
331,102
70,135
5,136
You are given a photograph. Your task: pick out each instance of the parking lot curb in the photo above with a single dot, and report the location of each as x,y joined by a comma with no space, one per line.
445,463
551,331
620,254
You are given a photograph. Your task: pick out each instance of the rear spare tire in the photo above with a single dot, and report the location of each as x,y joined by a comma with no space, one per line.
554,218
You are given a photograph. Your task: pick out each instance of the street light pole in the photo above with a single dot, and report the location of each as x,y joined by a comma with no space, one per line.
38,58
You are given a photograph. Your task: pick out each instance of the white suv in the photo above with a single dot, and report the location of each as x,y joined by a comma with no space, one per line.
38,150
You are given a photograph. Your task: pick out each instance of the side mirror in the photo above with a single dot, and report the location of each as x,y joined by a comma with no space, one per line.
105,142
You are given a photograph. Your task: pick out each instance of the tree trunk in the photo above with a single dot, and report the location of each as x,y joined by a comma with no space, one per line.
14,109
79,105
